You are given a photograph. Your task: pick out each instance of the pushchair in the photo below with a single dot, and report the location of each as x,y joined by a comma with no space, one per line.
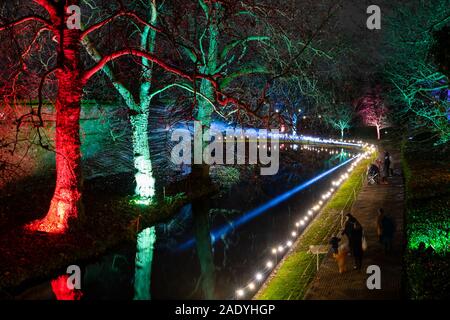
373,175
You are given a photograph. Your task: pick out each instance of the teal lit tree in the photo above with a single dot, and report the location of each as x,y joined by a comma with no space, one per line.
139,106
415,70
339,117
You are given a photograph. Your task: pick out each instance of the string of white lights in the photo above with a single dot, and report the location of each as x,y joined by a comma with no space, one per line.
281,249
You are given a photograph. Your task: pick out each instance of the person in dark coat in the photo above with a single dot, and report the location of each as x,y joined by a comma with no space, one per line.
387,164
348,228
334,242
357,249
353,231
387,233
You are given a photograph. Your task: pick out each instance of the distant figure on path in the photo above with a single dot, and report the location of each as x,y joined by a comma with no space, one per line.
387,232
378,222
391,167
387,164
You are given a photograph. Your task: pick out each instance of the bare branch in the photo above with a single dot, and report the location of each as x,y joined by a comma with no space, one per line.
120,13
26,19
138,53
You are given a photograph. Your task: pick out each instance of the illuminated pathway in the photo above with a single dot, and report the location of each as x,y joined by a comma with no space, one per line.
248,289
329,284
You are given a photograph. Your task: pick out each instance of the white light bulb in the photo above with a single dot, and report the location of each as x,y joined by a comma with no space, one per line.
294,233
269,264
258,276
274,251
289,243
251,285
280,249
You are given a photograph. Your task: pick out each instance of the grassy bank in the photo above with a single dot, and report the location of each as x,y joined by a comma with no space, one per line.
427,259
296,271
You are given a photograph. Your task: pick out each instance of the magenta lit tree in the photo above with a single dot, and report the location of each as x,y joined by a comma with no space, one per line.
373,111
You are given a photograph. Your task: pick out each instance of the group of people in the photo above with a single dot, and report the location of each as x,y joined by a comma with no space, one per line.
381,168
357,244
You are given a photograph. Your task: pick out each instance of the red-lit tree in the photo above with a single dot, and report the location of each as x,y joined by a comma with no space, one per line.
71,76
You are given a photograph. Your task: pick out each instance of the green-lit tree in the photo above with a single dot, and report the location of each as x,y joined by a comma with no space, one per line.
215,28
420,87
339,117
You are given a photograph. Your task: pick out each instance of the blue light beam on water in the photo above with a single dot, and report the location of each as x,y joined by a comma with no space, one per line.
219,232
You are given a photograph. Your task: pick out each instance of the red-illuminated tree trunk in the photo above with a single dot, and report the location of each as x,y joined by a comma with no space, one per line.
66,201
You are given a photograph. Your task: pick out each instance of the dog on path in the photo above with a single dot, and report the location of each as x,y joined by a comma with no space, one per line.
341,256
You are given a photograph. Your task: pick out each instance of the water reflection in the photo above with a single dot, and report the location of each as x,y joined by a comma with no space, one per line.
202,233
143,263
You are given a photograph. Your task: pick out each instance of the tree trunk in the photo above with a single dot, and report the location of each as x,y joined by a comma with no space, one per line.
342,134
145,182
143,264
66,203
378,132
205,109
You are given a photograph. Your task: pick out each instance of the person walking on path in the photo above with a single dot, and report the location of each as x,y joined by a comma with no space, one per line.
387,232
391,167
334,242
378,222
387,164
357,246
354,232
348,228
